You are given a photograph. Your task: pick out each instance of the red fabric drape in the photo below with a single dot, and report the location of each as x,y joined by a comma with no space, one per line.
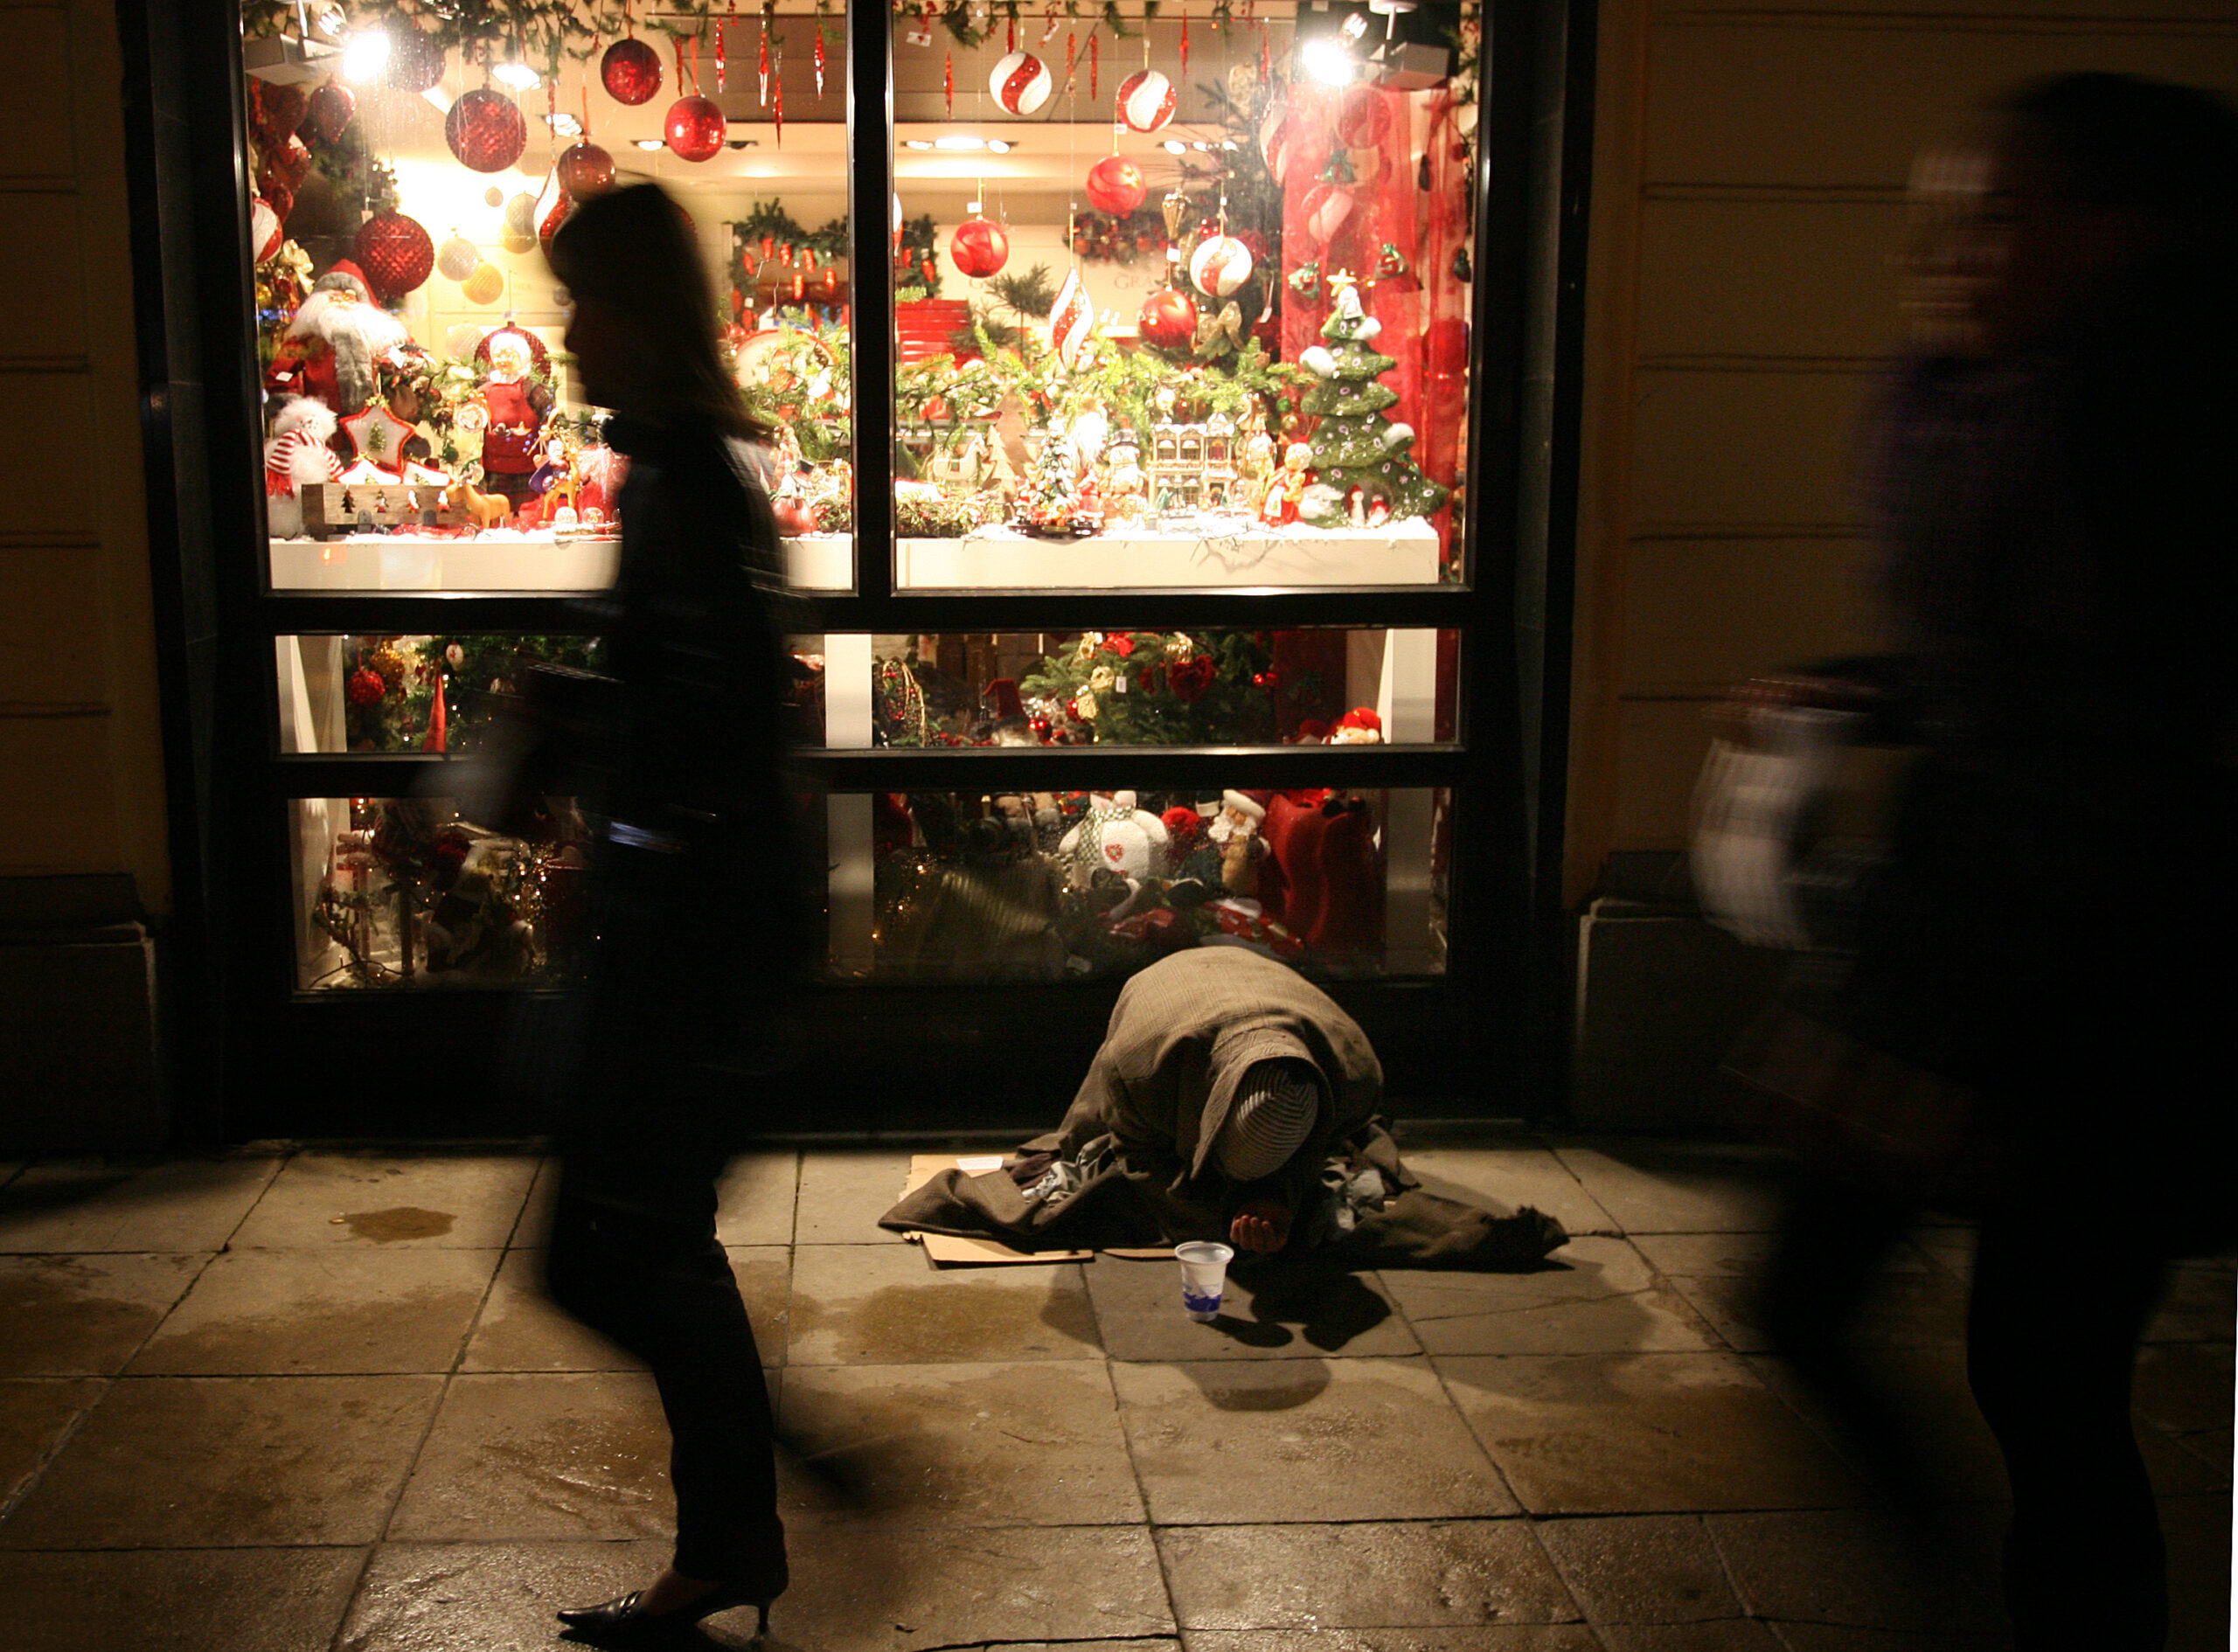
1410,191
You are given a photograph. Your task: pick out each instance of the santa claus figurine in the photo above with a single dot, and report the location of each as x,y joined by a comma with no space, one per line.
510,449
332,346
296,454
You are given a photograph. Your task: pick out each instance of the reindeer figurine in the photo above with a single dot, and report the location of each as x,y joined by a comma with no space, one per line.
486,509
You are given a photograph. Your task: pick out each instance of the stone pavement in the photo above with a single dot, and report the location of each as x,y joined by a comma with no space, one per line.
294,1402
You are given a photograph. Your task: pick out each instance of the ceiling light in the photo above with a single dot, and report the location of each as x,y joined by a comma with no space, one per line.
916,144
1001,146
1174,146
564,123
959,141
519,76
652,143
365,55
1327,61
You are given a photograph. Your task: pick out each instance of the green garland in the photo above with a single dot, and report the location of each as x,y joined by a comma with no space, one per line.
1181,690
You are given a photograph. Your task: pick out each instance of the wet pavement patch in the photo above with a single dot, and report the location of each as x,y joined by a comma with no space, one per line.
404,1222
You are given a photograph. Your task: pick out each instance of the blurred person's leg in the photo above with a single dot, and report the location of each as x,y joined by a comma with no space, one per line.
2061,1292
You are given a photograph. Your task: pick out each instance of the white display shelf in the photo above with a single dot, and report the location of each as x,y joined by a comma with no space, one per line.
539,562
1215,555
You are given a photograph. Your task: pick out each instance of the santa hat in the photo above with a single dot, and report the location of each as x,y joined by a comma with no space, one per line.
345,276
1361,717
1251,804
1003,694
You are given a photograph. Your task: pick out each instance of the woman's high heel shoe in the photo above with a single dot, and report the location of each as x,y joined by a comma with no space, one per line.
623,1625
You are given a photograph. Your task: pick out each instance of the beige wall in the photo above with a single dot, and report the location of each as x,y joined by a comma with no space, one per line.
81,781
1749,167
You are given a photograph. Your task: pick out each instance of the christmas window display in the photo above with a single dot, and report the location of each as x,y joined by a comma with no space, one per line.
1048,886
1207,319
410,162
1207,686
443,693
401,894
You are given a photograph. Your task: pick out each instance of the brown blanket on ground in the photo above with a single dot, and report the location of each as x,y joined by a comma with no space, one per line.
1124,1202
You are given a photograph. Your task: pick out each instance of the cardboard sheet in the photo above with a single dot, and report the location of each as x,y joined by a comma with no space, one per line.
948,1251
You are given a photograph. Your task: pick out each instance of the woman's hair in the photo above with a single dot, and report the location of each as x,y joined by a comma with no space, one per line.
632,249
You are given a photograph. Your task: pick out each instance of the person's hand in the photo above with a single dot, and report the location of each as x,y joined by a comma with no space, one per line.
1262,1225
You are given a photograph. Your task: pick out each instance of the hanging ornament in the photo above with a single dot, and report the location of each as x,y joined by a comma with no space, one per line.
1461,263
800,288
1305,280
287,161
808,258
585,170
558,206
722,54
1391,263
333,108
485,286
1329,203
948,81
1071,319
1168,319
1266,60
486,130
457,258
1185,41
277,111
1094,40
1363,119
695,128
929,267
395,253
1071,58
1146,100
630,72
979,247
1220,264
265,229
1021,83
1116,185
777,98
1049,27
1275,143
769,247
415,61
765,53
1009,34
819,55
1218,333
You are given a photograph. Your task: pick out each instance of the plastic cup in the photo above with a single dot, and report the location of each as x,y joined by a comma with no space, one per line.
1204,1276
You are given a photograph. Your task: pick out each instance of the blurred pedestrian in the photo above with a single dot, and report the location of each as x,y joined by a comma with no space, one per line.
2051,934
691,890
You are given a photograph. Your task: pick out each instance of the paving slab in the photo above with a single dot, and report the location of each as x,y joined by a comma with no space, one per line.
1035,1443
2198,1307
491,1597
899,1585
1224,1442
235,1461
85,1314
176,1600
1661,1569
1427,1574
1503,1179
521,1329
755,1198
35,1414
1595,1295
1732,1634
841,1196
888,1305
2186,1386
1652,1188
379,1202
95,1205
561,1455
1860,1567
1284,1314
1846,1637
2197,1533
256,1312
1615,1433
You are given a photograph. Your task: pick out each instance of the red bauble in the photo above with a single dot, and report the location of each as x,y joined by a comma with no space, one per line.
631,71
275,190
396,253
275,111
695,128
1116,185
979,247
1147,101
286,160
415,61
1169,319
265,233
584,170
367,687
560,209
333,107
486,130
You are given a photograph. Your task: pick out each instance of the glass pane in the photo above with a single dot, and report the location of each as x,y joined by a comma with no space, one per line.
400,893
406,184
1057,886
1181,301
1128,688
422,693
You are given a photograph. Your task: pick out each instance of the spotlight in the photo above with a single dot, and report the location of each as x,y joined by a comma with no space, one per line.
517,75
365,55
916,144
959,141
564,124
1327,61
652,143
1001,146
1174,146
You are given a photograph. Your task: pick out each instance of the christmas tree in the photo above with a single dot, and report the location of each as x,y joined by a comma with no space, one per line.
1354,446
1050,500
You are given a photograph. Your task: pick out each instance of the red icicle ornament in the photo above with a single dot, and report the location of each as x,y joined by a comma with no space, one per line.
777,98
1072,58
1266,60
819,55
1093,41
765,56
1049,29
947,82
722,58
1009,35
1184,43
